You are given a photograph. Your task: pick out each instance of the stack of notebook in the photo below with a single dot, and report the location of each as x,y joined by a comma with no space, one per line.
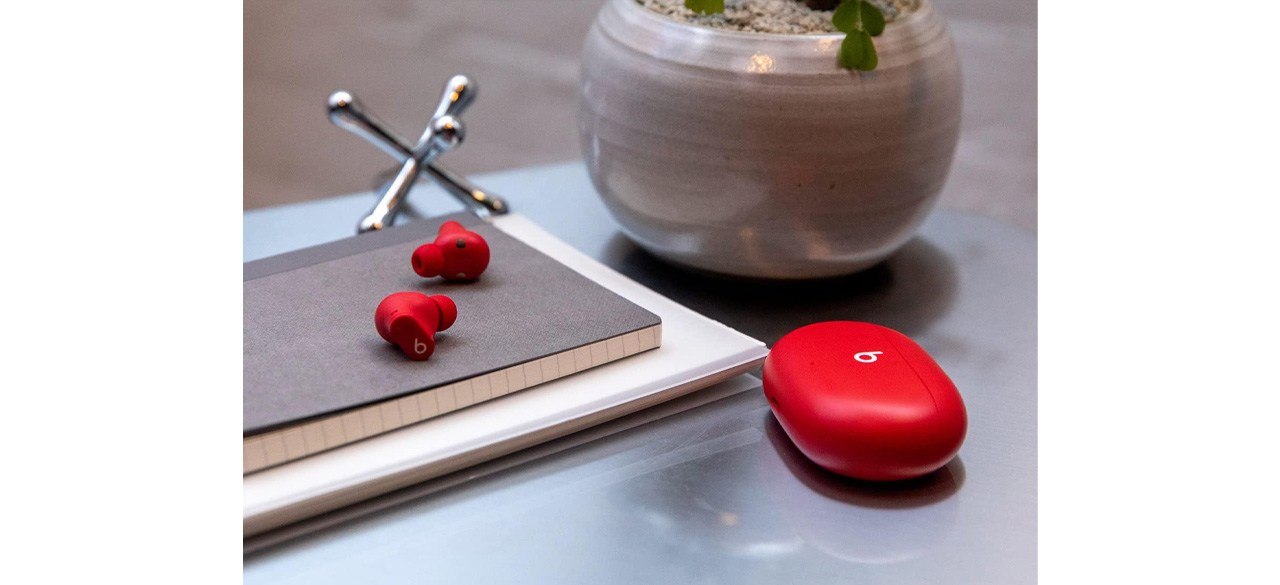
547,342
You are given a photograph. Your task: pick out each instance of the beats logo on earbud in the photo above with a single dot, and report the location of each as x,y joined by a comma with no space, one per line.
411,319
456,254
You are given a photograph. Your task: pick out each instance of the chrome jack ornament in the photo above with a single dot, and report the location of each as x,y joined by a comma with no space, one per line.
444,132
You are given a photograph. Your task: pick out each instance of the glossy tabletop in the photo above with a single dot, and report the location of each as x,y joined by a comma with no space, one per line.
715,493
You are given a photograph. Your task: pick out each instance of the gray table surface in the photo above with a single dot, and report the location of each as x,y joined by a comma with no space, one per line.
716,494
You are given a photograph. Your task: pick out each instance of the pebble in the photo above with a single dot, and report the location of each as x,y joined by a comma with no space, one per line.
770,16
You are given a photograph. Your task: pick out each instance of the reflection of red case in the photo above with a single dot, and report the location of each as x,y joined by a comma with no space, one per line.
864,401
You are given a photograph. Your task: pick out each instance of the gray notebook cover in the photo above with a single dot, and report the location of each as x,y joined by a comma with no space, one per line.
311,350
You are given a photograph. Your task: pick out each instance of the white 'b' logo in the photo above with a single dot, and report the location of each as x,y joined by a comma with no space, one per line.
418,346
867,357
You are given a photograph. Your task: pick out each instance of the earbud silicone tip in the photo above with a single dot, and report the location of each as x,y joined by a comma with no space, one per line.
428,260
448,311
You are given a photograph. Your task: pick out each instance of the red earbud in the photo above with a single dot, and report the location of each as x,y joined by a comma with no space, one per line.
457,254
411,320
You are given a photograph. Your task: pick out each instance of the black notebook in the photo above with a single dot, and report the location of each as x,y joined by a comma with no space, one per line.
318,376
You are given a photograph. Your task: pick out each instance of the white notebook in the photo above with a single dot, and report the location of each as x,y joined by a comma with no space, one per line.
696,352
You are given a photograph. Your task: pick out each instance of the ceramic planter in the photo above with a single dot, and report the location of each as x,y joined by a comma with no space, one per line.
754,154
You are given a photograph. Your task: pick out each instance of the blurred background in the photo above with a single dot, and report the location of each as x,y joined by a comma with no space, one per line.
396,55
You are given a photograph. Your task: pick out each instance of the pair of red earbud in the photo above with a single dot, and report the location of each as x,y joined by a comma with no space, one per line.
410,320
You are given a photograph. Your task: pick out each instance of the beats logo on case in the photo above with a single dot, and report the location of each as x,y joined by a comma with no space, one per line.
864,401
411,319
456,254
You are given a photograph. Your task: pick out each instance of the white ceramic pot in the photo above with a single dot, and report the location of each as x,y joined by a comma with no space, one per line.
755,154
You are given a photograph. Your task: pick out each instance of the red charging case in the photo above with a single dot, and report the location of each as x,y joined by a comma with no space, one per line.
864,401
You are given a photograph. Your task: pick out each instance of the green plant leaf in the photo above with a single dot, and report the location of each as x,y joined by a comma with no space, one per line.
872,19
869,59
858,52
846,16
705,6
852,51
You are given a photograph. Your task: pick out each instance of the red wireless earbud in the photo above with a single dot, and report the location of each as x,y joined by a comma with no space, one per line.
411,320
457,254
